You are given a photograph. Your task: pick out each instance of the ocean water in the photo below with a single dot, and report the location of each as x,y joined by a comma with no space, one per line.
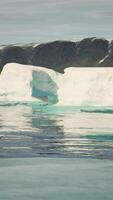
56,178
51,148
35,130
56,152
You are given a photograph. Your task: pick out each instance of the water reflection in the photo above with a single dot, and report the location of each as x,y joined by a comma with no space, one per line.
29,131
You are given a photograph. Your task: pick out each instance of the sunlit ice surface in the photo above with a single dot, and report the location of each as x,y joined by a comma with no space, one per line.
83,86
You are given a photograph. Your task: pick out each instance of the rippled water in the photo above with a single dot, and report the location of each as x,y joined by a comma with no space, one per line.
51,131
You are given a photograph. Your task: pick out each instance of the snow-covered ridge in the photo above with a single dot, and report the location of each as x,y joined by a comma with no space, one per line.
77,86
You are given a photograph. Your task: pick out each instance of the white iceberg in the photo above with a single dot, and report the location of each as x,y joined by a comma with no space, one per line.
77,86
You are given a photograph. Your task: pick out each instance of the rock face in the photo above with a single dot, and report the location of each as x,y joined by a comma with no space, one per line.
108,59
90,51
14,53
58,55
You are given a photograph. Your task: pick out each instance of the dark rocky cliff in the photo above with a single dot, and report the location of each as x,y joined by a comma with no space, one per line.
57,55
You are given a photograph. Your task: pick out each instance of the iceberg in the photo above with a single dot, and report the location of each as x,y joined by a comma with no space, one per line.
87,87
27,83
77,86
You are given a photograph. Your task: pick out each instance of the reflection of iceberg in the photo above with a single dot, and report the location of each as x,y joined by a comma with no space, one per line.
13,119
29,131
77,86
81,123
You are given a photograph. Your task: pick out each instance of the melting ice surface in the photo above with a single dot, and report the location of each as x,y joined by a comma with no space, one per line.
77,86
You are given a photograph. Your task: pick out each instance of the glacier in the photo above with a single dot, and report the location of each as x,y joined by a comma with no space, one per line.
82,86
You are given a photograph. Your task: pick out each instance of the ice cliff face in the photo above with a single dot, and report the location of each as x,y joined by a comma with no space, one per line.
23,83
77,86
59,55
